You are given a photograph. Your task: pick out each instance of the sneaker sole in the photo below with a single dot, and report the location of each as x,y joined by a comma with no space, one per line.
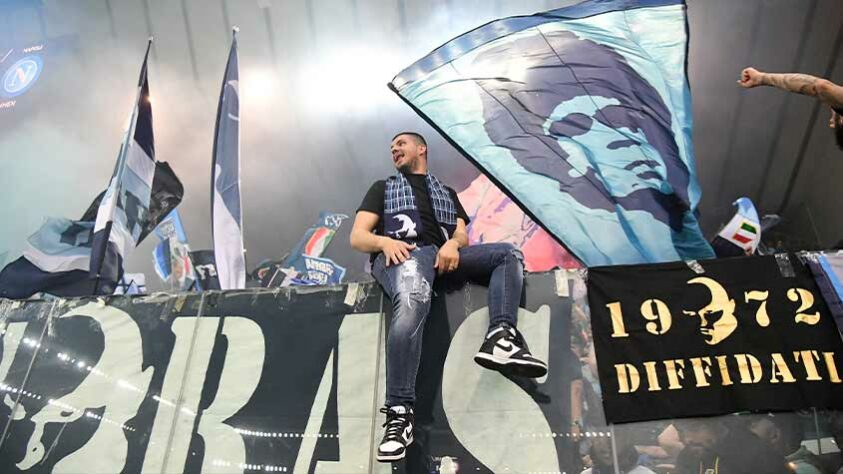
394,457
391,457
521,368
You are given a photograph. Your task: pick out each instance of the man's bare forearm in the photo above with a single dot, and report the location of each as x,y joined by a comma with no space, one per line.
805,84
461,238
366,242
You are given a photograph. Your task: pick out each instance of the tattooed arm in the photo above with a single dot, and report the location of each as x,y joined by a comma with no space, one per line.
830,93
805,84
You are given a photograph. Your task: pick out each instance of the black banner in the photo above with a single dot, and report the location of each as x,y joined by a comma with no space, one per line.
205,267
285,380
723,336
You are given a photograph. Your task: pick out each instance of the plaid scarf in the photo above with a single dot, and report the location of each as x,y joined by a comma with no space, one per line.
401,215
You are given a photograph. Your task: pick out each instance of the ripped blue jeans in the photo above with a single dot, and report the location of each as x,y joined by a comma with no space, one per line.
409,286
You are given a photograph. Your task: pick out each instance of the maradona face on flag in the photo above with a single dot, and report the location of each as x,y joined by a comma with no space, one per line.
582,115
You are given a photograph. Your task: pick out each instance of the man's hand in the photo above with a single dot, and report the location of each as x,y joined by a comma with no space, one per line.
396,251
751,77
832,122
448,258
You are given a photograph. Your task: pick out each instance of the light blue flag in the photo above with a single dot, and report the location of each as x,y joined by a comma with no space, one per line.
172,255
747,209
61,245
226,215
161,260
582,115
171,228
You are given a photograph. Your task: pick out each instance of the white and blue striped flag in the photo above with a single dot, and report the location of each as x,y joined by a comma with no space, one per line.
124,211
226,215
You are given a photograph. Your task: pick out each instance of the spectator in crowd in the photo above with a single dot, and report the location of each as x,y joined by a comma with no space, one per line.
603,460
826,91
784,433
670,442
719,447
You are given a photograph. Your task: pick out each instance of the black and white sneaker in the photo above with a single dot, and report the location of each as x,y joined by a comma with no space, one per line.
505,350
399,433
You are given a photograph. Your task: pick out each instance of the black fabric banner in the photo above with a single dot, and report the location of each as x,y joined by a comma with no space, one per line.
262,381
205,267
722,336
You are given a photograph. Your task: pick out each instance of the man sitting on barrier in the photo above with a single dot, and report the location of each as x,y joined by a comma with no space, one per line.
414,227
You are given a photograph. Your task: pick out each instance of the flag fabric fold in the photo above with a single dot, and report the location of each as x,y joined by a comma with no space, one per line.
124,210
56,260
61,245
161,260
167,194
582,115
226,210
21,279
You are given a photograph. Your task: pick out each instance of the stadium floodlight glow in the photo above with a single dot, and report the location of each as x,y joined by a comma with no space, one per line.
257,85
348,77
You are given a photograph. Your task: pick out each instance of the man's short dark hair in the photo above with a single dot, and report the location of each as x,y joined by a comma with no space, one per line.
789,424
417,136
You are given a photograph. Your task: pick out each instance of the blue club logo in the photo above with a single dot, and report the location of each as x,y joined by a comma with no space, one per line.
21,76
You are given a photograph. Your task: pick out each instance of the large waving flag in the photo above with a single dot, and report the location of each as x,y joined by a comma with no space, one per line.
583,116
124,210
226,215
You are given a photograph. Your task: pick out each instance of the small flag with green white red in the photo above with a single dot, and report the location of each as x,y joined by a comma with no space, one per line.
746,233
742,234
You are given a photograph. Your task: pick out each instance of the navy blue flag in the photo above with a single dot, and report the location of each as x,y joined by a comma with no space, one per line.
582,115
226,215
55,261
161,259
21,279
124,210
